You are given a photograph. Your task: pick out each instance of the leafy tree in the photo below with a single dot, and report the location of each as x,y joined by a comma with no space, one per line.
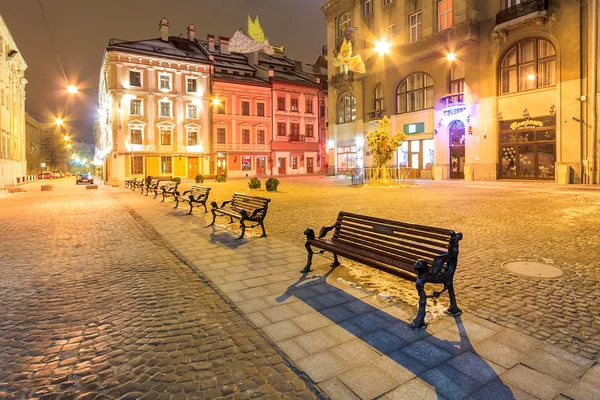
382,145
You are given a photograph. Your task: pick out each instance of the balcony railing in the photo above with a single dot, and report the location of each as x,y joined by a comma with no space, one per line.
296,138
521,10
345,78
376,114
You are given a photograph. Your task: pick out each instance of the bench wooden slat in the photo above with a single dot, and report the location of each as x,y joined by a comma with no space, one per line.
195,197
245,208
431,229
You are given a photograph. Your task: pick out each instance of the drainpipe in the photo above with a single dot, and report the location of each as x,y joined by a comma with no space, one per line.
594,91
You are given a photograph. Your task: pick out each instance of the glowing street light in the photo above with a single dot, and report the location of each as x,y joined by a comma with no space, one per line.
216,101
67,138
451,56
69,145
59,121
382,47
72,89
531,77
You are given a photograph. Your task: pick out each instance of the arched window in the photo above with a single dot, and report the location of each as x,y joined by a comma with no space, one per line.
378,97
346,109
414,93
457,79
343,23
530,64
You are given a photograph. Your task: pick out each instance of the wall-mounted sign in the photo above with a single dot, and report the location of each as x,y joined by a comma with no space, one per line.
43,165
521,124
411,129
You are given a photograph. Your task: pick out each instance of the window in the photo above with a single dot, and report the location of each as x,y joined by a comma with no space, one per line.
415,93
343,23
444,14
309,106
378,96
386,2
220,108
346,108
281,129
281,103
391,30
310,131
192,85
166,167
260,137
245,108
192,138
135,107
295,105
137,165
322,111
416,27
294,162
164,82
367,7
529,64
165,137
346,156
192,111
260,109
136,136
510,3
457,79
165,109
220,135
246,163
135,78
295,132
245,136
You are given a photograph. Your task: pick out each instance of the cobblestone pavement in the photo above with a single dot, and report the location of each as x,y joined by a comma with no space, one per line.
94,304
501,221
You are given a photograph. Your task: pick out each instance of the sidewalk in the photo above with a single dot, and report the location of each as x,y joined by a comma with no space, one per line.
353,345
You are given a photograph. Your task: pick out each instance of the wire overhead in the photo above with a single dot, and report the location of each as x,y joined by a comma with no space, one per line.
52,41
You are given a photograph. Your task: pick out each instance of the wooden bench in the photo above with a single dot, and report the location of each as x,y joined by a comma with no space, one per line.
130,182
154,184
196,196
422,253
138,184
245,208
168,190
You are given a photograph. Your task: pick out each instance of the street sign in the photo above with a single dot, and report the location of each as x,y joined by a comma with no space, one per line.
43,165
351,29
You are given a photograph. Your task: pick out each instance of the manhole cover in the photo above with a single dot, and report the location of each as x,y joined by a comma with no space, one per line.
533,269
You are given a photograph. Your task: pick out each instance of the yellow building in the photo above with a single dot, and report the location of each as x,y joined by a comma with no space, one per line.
153,116
13,163
483,89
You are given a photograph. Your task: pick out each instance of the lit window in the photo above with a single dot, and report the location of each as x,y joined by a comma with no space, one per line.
343,23
164,82
166,166
529,64
295,105
220,135
137,165
378,96
192,85
260,137
346,108
220,108
136,136
165,109
192,111
444,14
457,79
245,136
192,138
135,107
415,93
367,7
309,106
135,78
246,163
416,27
165,137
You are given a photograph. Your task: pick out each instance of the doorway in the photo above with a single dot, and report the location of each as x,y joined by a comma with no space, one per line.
309,165
260,165
192,167
457,149
221,165
281,165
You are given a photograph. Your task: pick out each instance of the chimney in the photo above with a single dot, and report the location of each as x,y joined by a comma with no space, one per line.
224,43
211,43
253,58
163,27
191,32
324,50
298,66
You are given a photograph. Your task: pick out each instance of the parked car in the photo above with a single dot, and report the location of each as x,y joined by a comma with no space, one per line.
84,177
58,174
46,175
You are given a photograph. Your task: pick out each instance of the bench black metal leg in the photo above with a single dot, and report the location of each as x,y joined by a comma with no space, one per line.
191,208
419,321
336,262
230,220
310,235
205,210
213,205
243,226
163,198
264,234
453,309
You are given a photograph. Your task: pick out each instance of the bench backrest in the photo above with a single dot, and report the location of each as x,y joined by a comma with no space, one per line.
153,182
199,192
170,186
400,242
246,202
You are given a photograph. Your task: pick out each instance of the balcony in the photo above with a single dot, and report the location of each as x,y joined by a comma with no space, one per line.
453,104
376,114
461,35
528,8
296,138
343,79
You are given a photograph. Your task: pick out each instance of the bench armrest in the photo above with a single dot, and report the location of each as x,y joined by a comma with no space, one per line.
256,211
325,230
184,193
225,203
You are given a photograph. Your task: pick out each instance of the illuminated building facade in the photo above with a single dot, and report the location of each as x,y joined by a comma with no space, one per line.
483,90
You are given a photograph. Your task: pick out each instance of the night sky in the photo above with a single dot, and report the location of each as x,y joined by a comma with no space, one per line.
81,30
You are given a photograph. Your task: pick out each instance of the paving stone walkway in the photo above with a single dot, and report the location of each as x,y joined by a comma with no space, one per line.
94,304
356,346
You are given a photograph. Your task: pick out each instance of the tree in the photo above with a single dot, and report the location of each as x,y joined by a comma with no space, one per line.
382,145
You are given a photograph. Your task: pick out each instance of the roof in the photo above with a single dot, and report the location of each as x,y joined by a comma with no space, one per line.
175,47
295,77
240,78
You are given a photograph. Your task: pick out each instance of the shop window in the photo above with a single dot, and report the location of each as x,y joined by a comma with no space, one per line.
428,154
403,155
166,166
415,93
246,163
221,135
346,156
137,165
529,64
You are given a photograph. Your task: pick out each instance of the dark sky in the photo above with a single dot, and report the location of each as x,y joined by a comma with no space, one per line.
81,30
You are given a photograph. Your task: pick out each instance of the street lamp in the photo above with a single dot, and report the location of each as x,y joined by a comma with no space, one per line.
216,101
382,47
69,146
58,121
451,56
72,89
67,138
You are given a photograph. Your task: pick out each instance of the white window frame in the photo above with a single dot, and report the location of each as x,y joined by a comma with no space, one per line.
367,8
416,26
170,109
188,107
444,14
386,2
141,107
160,138
345,20
187,136
191,78
139,71
136,128
170,78
391,30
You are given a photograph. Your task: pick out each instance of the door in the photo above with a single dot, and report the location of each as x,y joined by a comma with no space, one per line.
221,166
309,165
281,165
260,165
192,167
457,149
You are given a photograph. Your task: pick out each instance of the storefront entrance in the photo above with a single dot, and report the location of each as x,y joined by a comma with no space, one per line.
281,165
260,165
456,131
310,165
221,165
346,158
192,167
